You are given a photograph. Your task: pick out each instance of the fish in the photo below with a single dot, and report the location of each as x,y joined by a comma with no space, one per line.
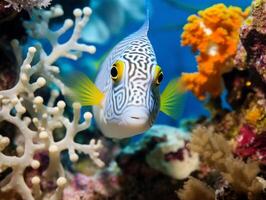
125,96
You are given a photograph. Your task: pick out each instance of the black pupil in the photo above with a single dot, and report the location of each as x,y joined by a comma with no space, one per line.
114,72
160,77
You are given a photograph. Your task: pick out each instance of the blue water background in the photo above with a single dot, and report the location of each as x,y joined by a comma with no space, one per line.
166,22
174,58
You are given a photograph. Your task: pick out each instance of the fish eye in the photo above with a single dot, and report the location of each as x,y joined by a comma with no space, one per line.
158,75
117,71
114,73
159,78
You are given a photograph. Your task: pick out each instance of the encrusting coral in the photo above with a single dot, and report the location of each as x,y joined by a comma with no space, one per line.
103,185
214,34
36,120
169,154
253,42
250,144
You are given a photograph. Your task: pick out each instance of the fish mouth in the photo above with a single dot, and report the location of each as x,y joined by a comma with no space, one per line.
137,120
135,117
133,121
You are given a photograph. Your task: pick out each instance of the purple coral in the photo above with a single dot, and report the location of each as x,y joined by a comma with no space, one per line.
179,154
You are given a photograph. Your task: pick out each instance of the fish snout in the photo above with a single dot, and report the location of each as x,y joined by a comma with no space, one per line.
133,121
136,116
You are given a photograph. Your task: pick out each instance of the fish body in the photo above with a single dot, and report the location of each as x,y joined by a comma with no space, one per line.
125,96
131,104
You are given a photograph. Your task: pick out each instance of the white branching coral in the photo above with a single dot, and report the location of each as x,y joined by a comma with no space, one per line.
37,120
38,28
27,4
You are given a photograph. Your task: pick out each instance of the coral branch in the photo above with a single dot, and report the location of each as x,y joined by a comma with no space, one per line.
38,28
41,120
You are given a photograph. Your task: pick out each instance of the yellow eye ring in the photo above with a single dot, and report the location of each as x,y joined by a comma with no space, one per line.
158,75
159,78
117,70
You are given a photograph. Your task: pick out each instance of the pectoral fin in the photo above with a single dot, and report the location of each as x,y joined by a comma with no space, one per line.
172,99
85,91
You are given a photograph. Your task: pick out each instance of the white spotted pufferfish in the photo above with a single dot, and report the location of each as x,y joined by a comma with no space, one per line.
125,96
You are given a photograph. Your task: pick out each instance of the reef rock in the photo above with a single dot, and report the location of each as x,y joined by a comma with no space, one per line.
253,39
166,150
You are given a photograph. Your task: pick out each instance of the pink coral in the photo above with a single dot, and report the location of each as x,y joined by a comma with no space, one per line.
251,145
91,188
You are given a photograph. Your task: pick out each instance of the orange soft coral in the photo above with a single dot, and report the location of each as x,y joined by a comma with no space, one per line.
214,33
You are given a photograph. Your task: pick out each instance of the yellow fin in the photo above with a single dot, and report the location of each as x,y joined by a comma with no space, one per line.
85,91
172,99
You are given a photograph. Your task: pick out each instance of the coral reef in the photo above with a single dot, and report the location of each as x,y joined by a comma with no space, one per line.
38,28
37,120
8,66
194,188
100,186
232,141
216,152
155,166
139,181
253,42
246,92
251,145
26,4
228,178
167,151
42,154
214,33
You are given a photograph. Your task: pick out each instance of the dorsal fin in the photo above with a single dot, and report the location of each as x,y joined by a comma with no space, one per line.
123,45
119,50
145,27
143,30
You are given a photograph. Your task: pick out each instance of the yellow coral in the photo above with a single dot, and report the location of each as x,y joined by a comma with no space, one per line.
214,33
253,115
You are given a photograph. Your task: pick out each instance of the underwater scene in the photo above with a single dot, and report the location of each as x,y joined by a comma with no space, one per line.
132,100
